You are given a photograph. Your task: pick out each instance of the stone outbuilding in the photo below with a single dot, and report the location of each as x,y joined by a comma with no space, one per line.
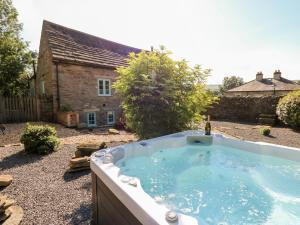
277,85
76,71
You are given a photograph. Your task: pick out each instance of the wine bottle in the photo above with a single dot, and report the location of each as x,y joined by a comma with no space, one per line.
207,126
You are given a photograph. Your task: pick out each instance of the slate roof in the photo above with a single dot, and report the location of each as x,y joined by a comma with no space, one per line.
266,84
69,45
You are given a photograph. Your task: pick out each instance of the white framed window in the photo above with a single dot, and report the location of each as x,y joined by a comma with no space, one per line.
91,119
110,117
104,87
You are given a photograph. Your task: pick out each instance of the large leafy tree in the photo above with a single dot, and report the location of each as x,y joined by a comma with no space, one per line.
15,57
231,82
161,95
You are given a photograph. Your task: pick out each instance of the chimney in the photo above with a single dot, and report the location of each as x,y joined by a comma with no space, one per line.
259,76
277,75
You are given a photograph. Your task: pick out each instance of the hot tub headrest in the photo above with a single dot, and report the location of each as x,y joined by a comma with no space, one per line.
117,153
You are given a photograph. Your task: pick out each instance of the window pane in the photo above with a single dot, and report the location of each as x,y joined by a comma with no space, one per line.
91,118
107,87
110,117
101,90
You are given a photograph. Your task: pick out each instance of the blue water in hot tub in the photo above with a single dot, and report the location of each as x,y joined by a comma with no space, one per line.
220,185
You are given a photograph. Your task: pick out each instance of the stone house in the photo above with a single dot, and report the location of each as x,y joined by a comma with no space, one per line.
275,86
77,70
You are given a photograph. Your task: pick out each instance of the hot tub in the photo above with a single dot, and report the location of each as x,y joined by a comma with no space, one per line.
188,178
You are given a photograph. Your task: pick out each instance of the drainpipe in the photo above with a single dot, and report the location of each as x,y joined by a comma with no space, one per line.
57,87
34,77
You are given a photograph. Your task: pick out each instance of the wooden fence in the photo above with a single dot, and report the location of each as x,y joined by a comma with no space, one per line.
18,109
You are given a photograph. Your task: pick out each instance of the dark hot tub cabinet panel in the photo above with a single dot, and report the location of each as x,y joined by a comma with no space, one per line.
107,208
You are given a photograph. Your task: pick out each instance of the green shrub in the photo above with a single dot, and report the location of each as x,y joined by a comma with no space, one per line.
161,95
288,109
39,139
265,131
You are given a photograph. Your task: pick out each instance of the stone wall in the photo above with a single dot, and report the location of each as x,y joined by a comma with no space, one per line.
78,88
44,68
243,108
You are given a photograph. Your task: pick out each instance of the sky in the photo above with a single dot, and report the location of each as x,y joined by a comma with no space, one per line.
231,37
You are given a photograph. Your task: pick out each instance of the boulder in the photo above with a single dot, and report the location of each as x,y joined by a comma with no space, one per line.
9,203
78,165
73,170
2,209
3,216
16,215
86,149
113,131
5,180
79,160
5,203
88,146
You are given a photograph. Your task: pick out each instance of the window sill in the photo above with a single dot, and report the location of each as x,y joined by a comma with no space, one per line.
104,95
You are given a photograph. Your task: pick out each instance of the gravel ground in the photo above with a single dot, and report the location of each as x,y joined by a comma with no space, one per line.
49,196
41,186
67,135
279,135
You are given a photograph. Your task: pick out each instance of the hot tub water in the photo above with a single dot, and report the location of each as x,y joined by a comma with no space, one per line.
219,184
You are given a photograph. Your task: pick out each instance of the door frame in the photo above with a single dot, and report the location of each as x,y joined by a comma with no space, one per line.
88,124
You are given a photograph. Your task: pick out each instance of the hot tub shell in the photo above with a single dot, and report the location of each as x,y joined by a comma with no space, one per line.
117,202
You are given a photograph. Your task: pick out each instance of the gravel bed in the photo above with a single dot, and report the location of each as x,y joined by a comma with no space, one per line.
279,135
67,135
51,196
41,187
44,190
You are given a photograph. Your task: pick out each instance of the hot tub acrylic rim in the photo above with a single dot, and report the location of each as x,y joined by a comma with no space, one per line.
145,209
138,202
268,149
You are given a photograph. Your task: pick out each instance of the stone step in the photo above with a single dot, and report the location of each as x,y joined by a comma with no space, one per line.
83,164
6,214
113,131
5,180
86,149
79,160
16,215
72,170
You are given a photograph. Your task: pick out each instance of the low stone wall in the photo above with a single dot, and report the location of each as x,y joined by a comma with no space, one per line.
243,108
